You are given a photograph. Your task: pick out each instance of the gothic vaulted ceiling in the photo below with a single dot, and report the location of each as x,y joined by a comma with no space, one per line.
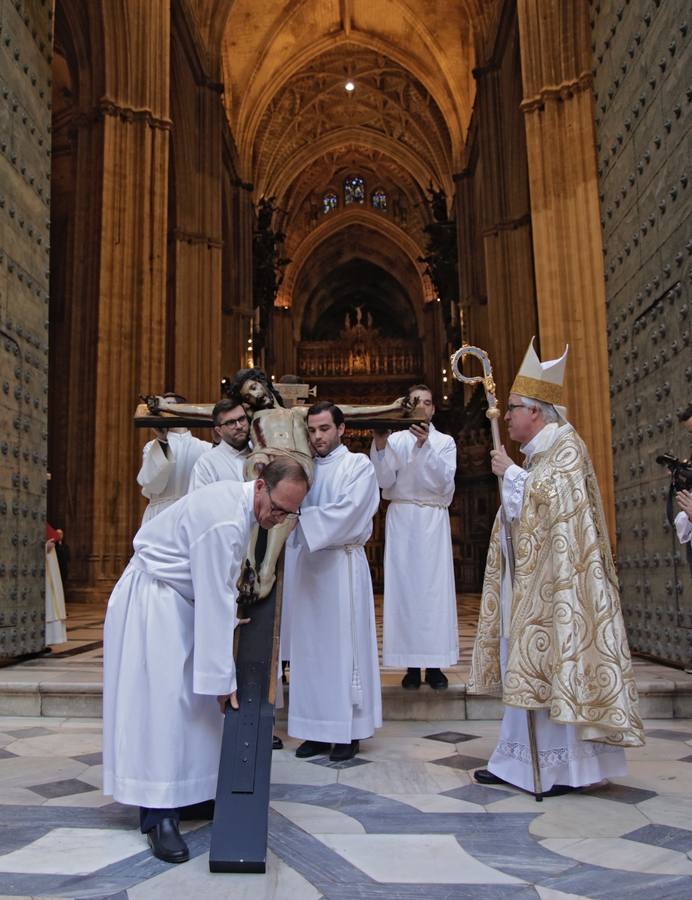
300,134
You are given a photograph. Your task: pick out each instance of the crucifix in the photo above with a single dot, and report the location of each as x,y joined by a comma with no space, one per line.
278,415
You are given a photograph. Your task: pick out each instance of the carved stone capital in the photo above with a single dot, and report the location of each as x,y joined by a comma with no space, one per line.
190,237
108,107
488,69
557,92
507,225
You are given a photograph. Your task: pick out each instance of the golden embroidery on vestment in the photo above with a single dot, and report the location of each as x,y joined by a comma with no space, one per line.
567,647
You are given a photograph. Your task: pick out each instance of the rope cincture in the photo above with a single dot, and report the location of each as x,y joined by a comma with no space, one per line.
356,681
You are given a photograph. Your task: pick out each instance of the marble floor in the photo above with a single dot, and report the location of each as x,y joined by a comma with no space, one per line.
402,820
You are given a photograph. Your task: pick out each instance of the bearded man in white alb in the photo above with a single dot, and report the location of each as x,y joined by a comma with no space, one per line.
168,648
226,461
334,695
415,470
551,636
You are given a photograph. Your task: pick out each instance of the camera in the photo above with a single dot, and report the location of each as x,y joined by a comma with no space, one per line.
680,471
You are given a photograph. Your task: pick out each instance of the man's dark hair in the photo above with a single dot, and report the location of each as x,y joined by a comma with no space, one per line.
686,413
283,469
243,375
327,406
419,387
226,404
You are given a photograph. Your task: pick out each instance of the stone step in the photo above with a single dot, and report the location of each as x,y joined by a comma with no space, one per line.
665,693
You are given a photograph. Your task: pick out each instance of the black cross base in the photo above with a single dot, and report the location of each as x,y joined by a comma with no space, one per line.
241,816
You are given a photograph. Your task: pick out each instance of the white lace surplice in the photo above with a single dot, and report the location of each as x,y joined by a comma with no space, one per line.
563,757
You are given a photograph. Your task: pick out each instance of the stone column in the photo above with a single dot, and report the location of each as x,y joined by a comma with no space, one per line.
434,344
195,229
503,219
284,347
236,302
570,287
126,138
236,289
472,291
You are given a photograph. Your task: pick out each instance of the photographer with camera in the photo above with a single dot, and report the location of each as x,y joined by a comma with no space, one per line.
683,496
680,489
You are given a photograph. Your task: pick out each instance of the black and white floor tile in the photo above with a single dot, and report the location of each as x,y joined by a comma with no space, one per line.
403,820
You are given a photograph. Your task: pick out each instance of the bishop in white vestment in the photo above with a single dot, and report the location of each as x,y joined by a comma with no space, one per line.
334,695
550,633
565,759
415,470
168,645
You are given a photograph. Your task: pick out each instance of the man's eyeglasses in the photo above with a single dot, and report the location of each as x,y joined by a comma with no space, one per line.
234,423
280,511
512,406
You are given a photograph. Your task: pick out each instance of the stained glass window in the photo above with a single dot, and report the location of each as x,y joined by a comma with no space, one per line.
379,199
354,190
329,202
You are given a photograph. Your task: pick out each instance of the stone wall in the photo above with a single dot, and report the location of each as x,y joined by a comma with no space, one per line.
25,89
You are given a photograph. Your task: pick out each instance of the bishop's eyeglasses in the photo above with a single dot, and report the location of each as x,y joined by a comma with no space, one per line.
512,406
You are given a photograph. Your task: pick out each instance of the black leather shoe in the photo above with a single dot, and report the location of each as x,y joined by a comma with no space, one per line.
166,843
557,790
312,748
483,776
436,679
344,752
411,680
277,743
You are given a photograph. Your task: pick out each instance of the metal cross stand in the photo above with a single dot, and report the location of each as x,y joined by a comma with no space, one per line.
493,413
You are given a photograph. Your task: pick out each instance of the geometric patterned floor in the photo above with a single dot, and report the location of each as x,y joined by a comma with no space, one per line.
403,820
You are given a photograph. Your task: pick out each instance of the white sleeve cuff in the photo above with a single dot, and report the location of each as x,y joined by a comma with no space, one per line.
683,526
513,484
214,685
